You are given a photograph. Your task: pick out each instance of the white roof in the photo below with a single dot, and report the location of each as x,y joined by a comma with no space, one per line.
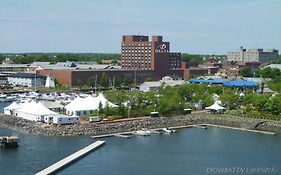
101,99
215,106
35,108
88,103
77,104
267,90
151,84
278,66
51,104
12,106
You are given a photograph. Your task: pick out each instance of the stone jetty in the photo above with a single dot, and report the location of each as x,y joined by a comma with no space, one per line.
92,129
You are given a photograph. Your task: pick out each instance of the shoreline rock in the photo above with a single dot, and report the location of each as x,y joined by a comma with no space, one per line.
37,128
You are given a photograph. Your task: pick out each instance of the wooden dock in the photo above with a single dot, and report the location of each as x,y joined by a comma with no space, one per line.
70,159
111,135
122,136
9,141
200,126
154,131
240,129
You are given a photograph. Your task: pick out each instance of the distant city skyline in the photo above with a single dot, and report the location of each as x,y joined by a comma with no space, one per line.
97,26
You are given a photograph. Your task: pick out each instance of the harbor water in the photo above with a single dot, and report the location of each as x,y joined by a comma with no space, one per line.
189,151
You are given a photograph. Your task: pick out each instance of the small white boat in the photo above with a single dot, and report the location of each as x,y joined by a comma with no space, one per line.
143,132
168,130
5,98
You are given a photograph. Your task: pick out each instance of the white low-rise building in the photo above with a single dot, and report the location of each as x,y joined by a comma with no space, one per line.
154,85
26,79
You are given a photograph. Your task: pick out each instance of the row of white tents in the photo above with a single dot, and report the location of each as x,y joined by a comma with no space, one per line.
36,111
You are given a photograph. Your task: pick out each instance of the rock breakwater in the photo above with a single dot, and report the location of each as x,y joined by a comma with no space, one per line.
37,128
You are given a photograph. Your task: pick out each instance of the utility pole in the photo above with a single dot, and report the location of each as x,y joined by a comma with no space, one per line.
113,82
129,107
96,79
135,79
35,81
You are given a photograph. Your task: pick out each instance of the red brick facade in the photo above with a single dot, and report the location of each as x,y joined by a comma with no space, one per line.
140,59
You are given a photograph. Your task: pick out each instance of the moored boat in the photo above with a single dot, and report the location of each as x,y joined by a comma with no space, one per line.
168,130
143,132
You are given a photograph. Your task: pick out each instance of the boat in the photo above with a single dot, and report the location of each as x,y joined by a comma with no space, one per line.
5,98
168,130
9,141
143,132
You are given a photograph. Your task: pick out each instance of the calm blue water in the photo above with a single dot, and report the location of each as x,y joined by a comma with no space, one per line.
190,151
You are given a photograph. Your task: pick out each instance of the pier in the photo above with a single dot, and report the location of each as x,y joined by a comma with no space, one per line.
70,159
9,141
121,135
240,129
200,126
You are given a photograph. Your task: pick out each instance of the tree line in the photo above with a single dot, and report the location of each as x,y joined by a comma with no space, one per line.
63,57
169,101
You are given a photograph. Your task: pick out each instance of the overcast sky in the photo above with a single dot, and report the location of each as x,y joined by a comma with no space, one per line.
201,26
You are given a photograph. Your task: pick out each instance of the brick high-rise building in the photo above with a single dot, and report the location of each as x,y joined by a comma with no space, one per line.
138,53
140,59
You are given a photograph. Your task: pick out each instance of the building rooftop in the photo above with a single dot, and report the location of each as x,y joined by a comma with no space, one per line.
278,66
26,75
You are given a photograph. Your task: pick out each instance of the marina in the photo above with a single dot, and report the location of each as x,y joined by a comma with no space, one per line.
70,159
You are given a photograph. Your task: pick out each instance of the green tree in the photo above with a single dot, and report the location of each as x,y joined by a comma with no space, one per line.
170,101
117,81
104,80
230,99
192,58
116,96
78,83
91,82
246,72
128,80
149,79
100,109
1,58
275,105
266,72
261,103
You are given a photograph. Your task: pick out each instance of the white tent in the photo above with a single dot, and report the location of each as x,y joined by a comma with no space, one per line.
9,109
216,107
84,106
78,107
33,111
101,99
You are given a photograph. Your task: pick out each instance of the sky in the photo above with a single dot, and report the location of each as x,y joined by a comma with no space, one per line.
97,26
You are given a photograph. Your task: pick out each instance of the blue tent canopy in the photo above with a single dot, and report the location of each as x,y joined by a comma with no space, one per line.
234,83
240,83
206,81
